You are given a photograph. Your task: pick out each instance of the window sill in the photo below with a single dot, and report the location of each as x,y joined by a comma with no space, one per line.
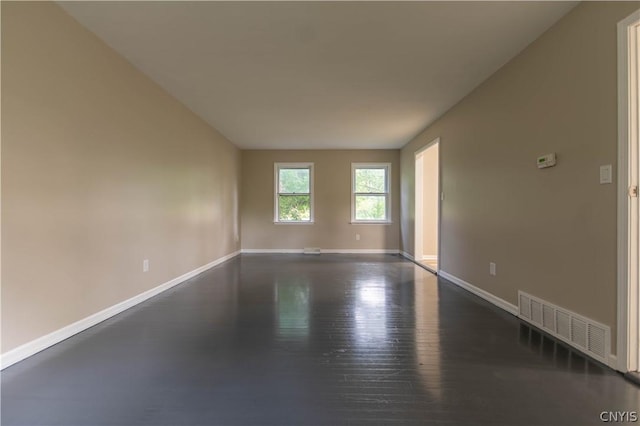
292,223
371,222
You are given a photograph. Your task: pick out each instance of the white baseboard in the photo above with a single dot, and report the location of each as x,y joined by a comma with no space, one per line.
430,257
361,251
501,303
339,251
428,268
420,264
613,362
266,251
33,347
408,256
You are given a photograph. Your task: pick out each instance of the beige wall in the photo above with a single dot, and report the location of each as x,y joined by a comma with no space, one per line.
332,179
100,169
551,232
430,201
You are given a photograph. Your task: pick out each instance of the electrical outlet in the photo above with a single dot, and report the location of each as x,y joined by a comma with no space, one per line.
145,265
492,268
357,237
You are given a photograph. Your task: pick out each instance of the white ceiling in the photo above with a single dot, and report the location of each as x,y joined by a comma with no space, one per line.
302,75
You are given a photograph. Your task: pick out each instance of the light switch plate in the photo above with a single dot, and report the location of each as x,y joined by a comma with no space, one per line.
606,174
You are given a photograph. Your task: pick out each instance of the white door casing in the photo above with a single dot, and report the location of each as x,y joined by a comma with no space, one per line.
628,330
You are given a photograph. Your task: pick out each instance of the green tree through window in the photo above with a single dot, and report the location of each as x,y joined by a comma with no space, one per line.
294,193
371,192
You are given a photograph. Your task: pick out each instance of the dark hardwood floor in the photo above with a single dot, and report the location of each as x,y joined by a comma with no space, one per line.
312,340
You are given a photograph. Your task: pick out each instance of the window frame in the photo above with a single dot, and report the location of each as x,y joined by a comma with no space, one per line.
276,193
387,194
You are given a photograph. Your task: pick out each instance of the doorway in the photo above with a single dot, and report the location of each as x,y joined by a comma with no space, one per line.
628,345
427,208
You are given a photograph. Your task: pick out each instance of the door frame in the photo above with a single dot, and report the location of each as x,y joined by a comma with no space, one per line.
628,329
419,205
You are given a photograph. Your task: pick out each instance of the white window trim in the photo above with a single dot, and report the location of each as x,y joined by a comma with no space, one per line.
276,193
355,166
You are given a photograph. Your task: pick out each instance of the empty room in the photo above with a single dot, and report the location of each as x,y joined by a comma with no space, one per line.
319,213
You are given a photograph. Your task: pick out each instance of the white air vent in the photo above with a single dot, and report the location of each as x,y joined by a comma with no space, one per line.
590,337
597,339
579,332
563,324
548,318
525,306
311,250
536,312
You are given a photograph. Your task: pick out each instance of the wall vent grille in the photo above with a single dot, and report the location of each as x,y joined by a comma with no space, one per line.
548,318
589,336
597,336
579,332
525,306
536,312
563,323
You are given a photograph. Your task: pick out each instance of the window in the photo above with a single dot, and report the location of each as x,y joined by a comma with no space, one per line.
293,193
371,197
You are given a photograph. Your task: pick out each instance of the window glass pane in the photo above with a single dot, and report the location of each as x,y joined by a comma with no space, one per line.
294,207
371,207
371,180
294,181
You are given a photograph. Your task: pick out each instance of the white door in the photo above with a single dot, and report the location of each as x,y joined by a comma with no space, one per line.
628,204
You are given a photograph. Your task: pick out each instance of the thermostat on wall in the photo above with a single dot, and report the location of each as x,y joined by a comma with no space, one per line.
548,160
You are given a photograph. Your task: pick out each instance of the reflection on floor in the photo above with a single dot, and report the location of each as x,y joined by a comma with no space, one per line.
312,340
431,263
